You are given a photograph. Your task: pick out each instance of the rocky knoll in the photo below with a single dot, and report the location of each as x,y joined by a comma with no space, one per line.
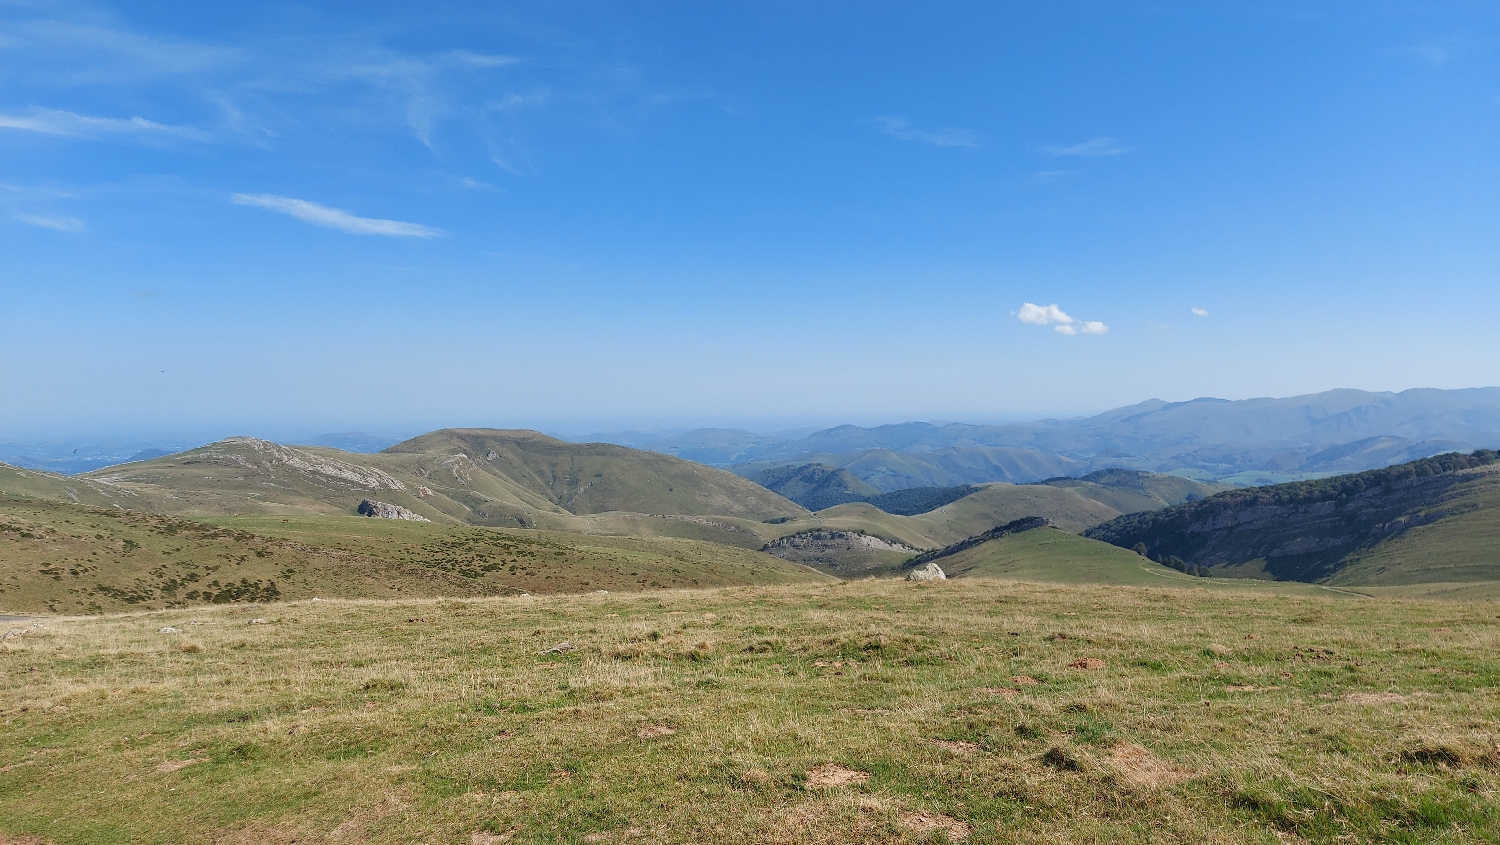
386,510
1303,531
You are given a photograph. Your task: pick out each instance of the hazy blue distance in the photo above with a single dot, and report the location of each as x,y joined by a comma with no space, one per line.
772,214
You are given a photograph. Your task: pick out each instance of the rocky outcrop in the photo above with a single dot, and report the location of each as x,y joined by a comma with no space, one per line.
927,572
273,455
828,540
386,510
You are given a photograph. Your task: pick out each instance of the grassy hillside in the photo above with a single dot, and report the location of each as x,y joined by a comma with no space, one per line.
474,476
1048,554
1428,520
588,478
876,712
71,559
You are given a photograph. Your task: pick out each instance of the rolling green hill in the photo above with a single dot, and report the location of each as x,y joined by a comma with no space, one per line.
471,476
1431,520
62,558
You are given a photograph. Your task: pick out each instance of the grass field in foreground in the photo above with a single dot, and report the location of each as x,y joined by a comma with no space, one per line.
875,711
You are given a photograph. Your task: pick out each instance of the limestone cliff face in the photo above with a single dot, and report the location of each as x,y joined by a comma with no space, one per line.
1302,531
385,510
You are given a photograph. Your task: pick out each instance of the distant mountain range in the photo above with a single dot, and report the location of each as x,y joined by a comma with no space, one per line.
1250,441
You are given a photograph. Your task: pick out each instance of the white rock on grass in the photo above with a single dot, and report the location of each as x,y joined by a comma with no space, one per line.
927,572
167,631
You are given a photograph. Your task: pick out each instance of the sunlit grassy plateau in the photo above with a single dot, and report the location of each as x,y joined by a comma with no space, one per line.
872,711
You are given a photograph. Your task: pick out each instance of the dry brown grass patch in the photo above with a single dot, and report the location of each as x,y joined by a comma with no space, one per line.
174,765
1003,691
654,731
1141,767
923,822
832,775
1087,663
1025,680
956,746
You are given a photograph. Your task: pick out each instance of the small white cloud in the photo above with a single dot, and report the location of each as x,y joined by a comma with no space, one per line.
54,122
899,129
1200,312
1060,321
333,218
1041,315
1095,147
58,222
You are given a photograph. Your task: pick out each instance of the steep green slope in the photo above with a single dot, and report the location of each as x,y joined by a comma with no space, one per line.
1048,554
62,558
1427,520
474,476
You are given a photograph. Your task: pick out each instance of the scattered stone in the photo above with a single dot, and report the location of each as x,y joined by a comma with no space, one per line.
260,622
1144,768
922,822
601,592
168,630
559,648
928,572
956,746
386,510
1374,698
175,765
654,731
1087,663
832,775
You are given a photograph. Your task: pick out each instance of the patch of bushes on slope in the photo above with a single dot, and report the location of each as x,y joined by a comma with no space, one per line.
916,500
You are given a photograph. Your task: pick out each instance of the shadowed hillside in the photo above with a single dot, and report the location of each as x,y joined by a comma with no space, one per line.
1401,523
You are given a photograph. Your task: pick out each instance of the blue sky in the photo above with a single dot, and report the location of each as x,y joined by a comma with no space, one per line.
276,217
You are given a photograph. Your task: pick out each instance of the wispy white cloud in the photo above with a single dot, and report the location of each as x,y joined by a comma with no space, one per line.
73,125
900,129
333,218
1041,315
480,60
1199,312
1095,147
1060,321
57,222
